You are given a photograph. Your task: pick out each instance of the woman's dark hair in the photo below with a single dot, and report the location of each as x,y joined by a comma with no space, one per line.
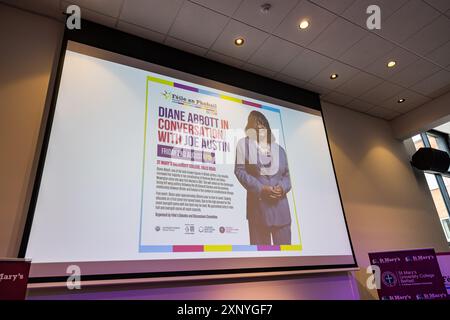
255,118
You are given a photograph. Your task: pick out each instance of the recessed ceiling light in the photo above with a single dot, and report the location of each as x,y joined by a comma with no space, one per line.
303,24
401,100
334,76
265,8
239,41
391,64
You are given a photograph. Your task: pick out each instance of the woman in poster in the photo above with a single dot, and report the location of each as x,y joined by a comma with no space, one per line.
261,167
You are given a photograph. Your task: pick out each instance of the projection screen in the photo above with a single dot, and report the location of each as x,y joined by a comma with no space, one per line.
151,171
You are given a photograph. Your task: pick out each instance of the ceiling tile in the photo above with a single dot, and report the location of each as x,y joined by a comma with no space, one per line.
224,59
413,100
315,88
185,46
359,105
259,70
366,50
430,37
336,6
337,38
337,98
140,31
99,18
408,20
107,7
441,5
381,92
435,85
46,7
383,113
198,25
275,53
357,11
318,19
253,40
392,116
401,56
343,71
227,7
359,84
420,26
441,55
306,65
250,12
405,108
289,80
145,14
415,72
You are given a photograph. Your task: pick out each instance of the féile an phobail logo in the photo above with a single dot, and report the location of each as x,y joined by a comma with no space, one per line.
167,94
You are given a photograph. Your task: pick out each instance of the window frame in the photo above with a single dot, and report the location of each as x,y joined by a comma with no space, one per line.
439,177
443,137
446,226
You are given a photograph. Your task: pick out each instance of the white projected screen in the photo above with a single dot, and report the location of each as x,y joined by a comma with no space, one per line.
148,172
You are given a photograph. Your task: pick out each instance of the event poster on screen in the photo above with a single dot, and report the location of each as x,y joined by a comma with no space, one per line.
191,198
148,164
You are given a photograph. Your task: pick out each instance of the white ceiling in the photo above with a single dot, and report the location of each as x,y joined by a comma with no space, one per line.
444,128
415,33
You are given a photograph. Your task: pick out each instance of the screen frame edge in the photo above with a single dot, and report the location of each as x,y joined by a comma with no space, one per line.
120,42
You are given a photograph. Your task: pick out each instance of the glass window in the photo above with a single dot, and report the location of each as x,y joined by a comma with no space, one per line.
418,143
446,226
437,142
447,184
437,196
438,185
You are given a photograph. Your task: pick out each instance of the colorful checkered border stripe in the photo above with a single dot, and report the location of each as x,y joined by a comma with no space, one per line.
210,93
214,248
218,248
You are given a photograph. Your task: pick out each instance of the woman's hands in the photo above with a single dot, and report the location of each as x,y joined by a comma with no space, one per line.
277,192
272,193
